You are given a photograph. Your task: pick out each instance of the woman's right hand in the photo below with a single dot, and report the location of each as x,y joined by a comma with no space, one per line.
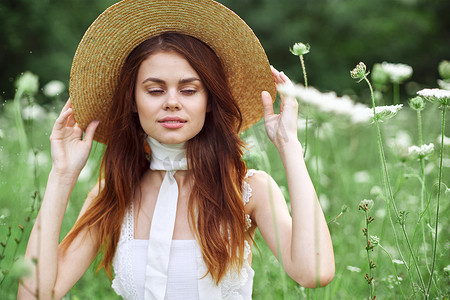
68,148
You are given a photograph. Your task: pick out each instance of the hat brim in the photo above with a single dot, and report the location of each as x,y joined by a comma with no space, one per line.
123,26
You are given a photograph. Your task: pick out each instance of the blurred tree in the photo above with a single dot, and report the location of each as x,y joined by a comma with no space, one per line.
42,36
343,32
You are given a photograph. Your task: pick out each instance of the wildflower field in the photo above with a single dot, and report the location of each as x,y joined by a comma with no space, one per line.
379,160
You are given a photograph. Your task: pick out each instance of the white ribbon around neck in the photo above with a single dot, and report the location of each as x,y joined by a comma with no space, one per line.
169,158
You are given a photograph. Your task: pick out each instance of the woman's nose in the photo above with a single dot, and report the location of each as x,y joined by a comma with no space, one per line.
172,102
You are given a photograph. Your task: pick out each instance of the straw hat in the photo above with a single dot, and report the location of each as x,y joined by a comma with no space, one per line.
126,24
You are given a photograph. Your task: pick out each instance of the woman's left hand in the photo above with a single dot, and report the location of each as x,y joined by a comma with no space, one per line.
281,128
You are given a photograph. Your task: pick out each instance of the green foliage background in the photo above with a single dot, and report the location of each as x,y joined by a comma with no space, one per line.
42,36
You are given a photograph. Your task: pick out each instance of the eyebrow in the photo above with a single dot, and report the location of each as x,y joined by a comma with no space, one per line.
181,81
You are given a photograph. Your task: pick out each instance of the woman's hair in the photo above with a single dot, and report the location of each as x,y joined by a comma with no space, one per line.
216,209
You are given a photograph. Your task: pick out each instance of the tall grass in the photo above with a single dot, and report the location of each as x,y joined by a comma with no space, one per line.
343,161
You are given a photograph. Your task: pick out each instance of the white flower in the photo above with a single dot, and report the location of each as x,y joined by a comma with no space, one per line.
376,191
447,269
53,88
361,177
86,172
374,239
380,213
436,95
28,83
327,102
33,112
301,123
446,164
398,262
400,143
444,84
384,112
397,72
392,281
38,159
353,269
446,140
420,152
324,202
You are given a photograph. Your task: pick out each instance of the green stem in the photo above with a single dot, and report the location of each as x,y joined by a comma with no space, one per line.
395,271
19,121
396,88
306,130
371,284
277,237
305,79
438,199
388,190
423,181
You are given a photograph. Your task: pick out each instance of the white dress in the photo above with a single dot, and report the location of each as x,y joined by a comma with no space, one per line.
185,262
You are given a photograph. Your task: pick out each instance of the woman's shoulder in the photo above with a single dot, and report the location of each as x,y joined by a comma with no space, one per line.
257,177
257,186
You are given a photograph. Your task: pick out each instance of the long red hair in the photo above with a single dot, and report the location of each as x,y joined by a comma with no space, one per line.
216,209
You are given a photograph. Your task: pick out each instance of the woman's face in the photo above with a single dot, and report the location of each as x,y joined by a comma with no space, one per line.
171,100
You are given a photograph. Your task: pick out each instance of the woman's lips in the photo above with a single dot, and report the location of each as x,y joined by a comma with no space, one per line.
172,122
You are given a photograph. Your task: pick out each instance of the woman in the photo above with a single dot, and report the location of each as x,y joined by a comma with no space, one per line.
167,86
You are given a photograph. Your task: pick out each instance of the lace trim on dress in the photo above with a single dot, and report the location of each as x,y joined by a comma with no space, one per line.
123,282
233,281
246,194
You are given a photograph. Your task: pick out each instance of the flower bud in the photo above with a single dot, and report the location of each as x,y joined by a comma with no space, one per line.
300,49
366,204
444,69
417,103
359,72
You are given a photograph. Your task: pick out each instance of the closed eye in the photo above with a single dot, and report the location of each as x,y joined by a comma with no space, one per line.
189,92
155,92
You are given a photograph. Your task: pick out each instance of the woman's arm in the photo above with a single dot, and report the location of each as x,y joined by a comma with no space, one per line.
54,273
304,240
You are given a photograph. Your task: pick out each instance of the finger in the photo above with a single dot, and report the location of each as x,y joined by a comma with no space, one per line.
90,131
275,73
66,106
267,103
62,119
284,78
